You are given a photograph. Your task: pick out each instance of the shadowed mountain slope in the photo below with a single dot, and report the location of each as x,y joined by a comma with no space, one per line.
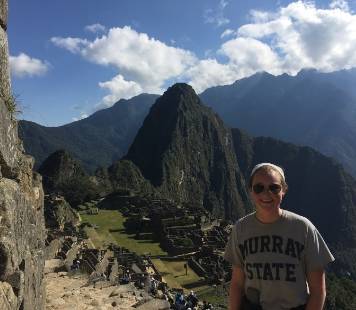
97,140
63,175
314,109
186,152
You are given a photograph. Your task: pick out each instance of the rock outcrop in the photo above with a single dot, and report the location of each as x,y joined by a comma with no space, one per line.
64,175
22,232
58,213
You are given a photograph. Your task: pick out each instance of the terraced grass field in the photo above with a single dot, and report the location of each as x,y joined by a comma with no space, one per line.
110,228
174,274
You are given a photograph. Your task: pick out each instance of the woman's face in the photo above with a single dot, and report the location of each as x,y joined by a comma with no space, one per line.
269,199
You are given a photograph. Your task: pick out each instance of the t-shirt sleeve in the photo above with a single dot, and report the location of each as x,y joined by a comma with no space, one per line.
232,251
317,254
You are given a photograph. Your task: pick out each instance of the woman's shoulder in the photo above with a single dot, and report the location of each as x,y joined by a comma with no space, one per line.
294,218
246,219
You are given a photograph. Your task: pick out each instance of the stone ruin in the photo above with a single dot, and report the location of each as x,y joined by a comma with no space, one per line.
22,231
184,231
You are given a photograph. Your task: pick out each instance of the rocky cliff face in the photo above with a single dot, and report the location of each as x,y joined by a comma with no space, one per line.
186,152
22,231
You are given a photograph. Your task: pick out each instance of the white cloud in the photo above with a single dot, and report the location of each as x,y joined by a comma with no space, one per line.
95,28
303,36
144,63
260,16
74,45
294,37
81,116
250,56
209,72
140,58
119,88
340,4
216,15
23,65
227,33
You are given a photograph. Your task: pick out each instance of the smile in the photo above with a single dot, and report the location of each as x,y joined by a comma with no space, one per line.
266,201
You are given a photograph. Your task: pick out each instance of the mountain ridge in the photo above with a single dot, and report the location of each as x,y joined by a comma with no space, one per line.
97,140
246,104
310,109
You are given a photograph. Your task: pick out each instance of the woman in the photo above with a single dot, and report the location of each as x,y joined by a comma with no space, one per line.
278,257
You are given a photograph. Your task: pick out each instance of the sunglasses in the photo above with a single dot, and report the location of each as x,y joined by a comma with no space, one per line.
273,188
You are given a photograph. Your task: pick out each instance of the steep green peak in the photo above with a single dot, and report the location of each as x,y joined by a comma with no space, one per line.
179,96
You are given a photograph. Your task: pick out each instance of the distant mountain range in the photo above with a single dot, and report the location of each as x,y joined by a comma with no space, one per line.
96,141
312,108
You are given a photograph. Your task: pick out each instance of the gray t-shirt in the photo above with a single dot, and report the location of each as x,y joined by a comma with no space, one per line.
276,258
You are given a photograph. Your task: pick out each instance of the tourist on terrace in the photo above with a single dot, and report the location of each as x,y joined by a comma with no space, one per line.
278,257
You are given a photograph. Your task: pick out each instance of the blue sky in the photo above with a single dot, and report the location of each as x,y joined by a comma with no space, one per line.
71,58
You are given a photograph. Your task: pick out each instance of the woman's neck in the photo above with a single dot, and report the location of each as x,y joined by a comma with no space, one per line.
268,217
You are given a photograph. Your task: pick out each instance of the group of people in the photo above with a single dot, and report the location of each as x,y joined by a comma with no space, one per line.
278,257
189,302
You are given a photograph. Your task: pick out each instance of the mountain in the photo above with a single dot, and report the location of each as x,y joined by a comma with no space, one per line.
312,108
186,152
63,175
319,188
96,141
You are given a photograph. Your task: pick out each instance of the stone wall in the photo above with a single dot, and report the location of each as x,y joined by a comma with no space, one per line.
22,231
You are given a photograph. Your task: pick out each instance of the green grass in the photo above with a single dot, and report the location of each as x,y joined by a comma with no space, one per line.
111,229
216,296
173,273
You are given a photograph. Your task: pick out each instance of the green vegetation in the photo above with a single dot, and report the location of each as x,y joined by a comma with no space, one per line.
174,274
108,226
341,293
12,104
215,295
184,242
96,141
64,175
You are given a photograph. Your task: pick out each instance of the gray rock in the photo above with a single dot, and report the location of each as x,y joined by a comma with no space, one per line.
22,231
3,13
7,297
95,303
5,88
155,304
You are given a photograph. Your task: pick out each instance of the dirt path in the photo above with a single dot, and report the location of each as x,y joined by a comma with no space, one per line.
73,293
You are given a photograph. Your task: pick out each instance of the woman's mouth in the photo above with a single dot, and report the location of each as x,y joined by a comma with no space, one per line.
266,201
